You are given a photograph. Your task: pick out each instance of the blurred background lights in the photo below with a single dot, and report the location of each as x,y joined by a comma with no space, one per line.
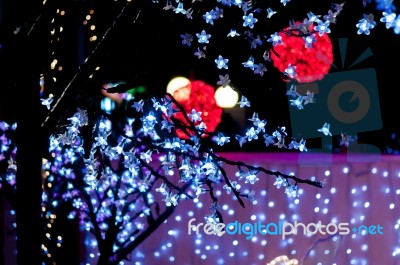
107,104
226,97
177,83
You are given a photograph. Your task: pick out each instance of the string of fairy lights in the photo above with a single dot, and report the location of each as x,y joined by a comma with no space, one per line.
55,67
90,26
210,248
48,214
90,32
56,39
355,247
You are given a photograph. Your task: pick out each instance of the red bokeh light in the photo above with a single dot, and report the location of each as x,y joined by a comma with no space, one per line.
199,96
311,63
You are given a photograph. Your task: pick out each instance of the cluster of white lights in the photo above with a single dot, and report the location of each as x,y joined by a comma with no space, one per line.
348,197
364,195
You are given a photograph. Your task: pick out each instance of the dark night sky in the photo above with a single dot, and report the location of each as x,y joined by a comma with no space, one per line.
160,54
150,52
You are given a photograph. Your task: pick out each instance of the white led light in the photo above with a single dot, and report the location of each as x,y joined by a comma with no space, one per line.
226,97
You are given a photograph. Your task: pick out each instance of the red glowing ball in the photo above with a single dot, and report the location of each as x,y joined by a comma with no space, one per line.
200,97
311,63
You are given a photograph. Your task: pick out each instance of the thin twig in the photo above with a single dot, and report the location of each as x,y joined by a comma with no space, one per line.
81,70
318,184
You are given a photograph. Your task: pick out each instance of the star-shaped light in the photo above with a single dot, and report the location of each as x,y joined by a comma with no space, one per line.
290,71
221,62
325,129
233,33
298,102
275,39
180,9
249,20
270,12
203,37
47,101
199,53
249,63
224,80
244,102
138,105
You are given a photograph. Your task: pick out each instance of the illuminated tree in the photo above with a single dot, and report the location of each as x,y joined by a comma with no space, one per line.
122,175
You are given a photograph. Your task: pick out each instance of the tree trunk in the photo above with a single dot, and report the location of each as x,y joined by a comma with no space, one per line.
29,159
27,62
